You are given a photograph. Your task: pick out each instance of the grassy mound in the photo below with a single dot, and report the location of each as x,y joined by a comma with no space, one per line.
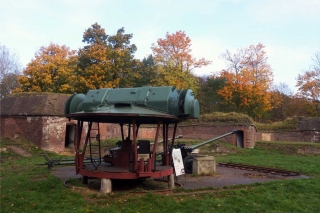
287,125
221,117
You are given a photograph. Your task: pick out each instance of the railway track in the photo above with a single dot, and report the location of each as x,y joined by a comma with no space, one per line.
260,169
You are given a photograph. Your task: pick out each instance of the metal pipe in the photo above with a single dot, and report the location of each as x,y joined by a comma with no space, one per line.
209,141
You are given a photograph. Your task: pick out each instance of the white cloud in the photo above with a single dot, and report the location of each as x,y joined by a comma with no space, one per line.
287,63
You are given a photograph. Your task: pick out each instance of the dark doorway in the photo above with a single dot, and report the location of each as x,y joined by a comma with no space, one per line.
239,138
70,137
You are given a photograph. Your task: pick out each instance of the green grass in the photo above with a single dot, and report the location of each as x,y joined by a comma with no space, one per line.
278,155
234,118
26,187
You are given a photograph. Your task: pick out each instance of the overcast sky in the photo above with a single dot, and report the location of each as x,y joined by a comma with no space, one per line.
290,29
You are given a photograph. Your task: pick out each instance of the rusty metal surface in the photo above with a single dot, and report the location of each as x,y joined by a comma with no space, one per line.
112,172
123,118
260,169
131,106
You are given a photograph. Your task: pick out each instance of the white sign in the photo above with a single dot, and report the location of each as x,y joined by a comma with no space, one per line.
178,162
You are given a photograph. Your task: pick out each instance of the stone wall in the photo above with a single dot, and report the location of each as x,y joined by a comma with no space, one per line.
48,132
29,128
306,136
45,132
308,130
53,133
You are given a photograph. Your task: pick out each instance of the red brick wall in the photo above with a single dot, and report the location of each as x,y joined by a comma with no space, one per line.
45,132
29,128
307,136
53,133
48,132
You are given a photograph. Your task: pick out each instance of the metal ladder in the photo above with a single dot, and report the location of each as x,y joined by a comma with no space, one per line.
94,145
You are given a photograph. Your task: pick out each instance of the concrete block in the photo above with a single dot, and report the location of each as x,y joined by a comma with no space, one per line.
171,181
106,186
204,165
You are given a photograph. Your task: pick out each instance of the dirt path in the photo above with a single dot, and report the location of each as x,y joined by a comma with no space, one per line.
20,151
229,177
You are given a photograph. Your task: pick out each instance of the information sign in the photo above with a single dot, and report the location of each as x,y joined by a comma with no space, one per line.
178,162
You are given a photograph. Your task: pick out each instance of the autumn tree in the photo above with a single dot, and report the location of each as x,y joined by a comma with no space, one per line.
281,98
94,67
52,70
309,84
255,62
175,62
123,66
148,72
234,61
208,93
9,71
106,61
248,80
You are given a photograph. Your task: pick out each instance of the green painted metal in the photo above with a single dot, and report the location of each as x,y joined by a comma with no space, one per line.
73,102
147,100
193,147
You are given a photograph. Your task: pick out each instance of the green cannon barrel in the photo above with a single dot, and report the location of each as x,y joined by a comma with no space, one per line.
166,100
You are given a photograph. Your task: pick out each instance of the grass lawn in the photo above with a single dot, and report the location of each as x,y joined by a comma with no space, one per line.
26,187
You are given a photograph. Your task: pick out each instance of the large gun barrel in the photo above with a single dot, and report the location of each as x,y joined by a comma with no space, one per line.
145,101
186,150
193,147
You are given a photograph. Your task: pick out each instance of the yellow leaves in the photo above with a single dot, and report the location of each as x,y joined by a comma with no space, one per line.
247,81
276,99
245,96
309,85
35,89
107,61
173,57
52,67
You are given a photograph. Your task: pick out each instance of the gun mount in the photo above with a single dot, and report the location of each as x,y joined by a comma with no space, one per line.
187,150
131,107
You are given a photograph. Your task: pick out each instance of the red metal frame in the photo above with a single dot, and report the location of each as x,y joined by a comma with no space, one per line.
142,168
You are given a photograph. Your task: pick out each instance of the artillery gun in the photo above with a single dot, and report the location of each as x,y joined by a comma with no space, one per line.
186,151
161,106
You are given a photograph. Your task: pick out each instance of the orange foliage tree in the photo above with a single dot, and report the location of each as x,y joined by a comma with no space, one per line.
281,97
93,70
106,61
248,79
174,61
52,70
309,84
123,64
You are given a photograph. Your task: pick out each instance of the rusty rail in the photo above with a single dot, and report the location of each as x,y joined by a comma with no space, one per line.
260,169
